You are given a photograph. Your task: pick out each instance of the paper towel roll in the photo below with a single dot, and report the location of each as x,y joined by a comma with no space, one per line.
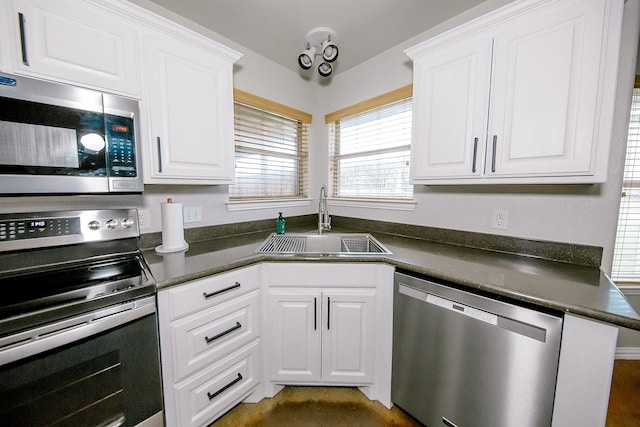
172,228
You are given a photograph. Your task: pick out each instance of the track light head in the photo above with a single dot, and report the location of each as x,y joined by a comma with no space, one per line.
305,59
325,69
329,50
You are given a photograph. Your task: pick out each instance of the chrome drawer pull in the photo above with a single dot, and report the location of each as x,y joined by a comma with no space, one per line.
221,291
221,334
213,395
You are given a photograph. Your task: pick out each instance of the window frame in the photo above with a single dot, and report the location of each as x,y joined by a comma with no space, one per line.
398,95
304,122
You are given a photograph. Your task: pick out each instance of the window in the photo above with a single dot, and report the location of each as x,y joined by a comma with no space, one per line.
271,150
369,147
626,253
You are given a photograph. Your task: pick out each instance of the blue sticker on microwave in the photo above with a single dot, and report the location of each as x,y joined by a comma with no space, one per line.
7,81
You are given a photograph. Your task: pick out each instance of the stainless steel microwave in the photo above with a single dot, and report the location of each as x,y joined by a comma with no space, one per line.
61,139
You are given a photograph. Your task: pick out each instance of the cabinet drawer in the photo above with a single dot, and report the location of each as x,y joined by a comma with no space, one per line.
208,395
203,293
207,336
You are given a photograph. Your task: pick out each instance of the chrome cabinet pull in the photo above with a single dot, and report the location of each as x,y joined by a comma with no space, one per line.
236,380
222,334
221,291
315,313
328,313
493,156
475,154
23,39
159,154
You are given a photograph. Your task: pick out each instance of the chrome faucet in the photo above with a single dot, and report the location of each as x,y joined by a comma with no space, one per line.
324,220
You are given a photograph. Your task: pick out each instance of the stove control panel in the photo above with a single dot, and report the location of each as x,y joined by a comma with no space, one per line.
38,227
41,229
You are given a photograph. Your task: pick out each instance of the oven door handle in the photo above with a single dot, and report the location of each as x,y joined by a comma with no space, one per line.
47,337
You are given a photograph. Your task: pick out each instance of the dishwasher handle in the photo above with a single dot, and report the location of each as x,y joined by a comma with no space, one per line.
518,327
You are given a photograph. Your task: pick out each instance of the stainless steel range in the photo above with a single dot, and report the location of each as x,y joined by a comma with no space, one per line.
78,322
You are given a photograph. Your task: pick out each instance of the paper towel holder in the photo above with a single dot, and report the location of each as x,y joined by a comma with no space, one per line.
162,249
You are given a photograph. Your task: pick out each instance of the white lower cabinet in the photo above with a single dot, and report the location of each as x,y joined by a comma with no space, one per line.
321,335
210,345
328,324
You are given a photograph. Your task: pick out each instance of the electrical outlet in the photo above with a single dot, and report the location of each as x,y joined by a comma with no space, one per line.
192,214
500,219
144,220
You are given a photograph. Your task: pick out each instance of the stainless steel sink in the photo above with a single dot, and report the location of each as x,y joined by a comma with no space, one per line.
325,244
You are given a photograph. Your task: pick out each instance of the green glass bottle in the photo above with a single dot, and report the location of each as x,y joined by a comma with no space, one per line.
281,224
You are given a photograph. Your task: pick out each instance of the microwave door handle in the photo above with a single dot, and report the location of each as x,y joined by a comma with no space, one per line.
159,154
23,39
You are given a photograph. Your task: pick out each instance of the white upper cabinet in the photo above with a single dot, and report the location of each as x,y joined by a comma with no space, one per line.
522,95
73,42
188,97
450,100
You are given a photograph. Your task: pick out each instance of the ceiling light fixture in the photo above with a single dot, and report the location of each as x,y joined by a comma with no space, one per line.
318,42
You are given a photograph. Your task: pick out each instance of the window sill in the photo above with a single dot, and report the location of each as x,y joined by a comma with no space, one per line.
394,205
247,205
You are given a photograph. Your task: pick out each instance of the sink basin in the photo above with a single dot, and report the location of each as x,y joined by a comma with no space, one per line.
326,244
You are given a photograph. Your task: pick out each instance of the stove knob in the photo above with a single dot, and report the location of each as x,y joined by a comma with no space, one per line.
127,222
111,224
94,225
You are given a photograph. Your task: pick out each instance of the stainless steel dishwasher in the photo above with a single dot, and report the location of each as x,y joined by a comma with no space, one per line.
465,360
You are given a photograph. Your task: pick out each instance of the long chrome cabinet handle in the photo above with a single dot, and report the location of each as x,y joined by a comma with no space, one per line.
223,333
23,39
208,295
493,155
328,313
315,314
159,154
236,380
475,154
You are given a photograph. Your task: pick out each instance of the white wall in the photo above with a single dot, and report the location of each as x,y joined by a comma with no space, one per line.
584,214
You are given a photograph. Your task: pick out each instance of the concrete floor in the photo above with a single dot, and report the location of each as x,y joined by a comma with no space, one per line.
316,407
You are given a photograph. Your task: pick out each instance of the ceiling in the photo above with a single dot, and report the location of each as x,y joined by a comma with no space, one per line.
277,28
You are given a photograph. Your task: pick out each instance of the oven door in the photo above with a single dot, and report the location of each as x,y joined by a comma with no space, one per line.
97,369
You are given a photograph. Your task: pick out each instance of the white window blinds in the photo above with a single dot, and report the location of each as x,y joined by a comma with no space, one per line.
369,153
626,254
271,154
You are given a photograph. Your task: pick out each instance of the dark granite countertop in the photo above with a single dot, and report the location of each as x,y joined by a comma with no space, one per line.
551,285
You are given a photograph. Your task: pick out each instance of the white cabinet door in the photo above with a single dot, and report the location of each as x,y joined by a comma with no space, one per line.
321,335
189,99
74,42
347,340
451,99
294,335
544,91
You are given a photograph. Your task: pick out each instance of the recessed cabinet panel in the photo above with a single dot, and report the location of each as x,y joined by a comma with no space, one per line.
543,116
77,43
190,102
294,335
348,341
450,123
